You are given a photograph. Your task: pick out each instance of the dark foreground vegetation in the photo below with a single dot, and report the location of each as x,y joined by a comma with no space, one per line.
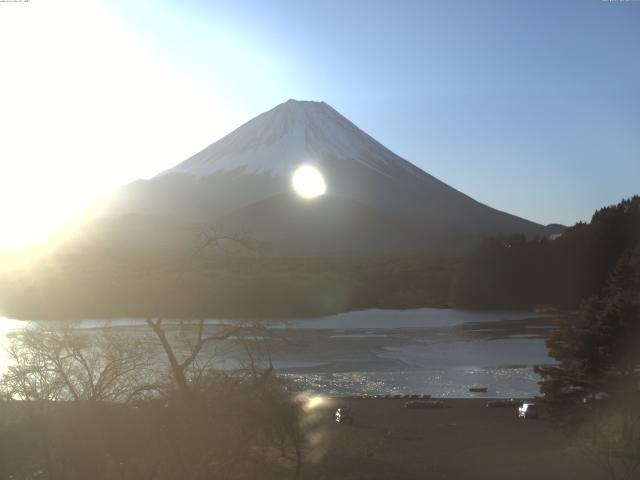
229,430
232,439
462,440
101,405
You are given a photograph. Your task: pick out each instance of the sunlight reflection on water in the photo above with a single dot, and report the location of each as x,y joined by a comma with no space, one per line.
446,382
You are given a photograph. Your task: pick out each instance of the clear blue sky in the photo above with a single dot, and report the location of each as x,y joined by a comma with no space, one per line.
532,107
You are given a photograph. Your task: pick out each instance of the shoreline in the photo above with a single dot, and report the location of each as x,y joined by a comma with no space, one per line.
535,312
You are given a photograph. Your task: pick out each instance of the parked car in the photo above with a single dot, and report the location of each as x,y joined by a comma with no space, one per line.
344,415
528,410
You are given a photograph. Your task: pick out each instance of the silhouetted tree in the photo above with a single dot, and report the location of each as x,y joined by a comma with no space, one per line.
597,380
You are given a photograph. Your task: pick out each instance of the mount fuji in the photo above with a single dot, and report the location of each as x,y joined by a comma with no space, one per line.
376,202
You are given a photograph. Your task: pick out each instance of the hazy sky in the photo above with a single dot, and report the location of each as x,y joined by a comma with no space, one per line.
529,107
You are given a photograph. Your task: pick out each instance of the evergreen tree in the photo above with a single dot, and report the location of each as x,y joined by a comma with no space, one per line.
598,354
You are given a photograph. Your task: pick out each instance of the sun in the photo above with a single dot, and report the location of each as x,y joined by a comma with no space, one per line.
308,182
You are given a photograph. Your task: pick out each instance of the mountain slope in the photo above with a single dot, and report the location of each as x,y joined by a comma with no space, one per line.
249,170
334,224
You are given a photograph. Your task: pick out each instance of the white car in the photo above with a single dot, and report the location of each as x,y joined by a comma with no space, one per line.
528,410
344,415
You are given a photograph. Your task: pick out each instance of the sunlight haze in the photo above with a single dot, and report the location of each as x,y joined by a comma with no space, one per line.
96,94
86,108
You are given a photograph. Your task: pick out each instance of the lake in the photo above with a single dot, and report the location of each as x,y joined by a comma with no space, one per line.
441,352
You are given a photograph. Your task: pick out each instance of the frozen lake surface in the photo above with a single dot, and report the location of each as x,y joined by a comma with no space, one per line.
441,352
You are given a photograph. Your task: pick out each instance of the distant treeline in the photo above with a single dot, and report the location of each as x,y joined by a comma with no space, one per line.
109,286
514,272
504,272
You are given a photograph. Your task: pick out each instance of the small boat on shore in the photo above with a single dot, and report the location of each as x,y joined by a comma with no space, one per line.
478,389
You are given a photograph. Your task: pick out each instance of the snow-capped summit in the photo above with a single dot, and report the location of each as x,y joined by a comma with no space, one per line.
294,132
375,201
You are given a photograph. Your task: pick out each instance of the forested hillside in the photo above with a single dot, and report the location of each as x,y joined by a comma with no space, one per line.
512,271
107,286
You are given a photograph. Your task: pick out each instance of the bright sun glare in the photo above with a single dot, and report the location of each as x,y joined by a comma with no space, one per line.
79,116
308,182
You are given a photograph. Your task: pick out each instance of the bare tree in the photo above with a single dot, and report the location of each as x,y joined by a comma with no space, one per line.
189,354
59,363
180,365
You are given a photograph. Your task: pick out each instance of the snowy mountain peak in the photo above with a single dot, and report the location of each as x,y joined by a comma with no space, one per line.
292,133
375,201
